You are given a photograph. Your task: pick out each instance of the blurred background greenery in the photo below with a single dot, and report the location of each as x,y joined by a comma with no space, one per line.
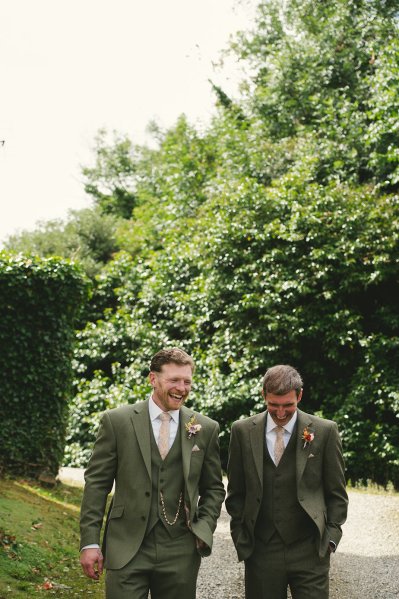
269,236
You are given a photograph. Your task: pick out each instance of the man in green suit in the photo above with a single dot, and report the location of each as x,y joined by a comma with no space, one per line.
164,461
286,493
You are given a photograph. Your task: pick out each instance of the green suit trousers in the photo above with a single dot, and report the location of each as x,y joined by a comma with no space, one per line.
168,567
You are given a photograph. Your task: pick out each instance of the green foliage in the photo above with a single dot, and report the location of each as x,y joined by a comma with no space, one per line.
369,415
329,70
111,180
295,272
170,185
269,236
39,301
88,237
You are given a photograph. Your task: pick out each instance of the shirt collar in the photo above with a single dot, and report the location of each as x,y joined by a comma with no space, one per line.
289,427
155,411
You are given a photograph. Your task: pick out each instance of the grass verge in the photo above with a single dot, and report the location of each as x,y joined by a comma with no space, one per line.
39,543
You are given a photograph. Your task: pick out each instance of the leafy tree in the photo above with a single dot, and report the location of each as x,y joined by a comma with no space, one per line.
111,181
88,237
171,183
270,236
296,272
329,70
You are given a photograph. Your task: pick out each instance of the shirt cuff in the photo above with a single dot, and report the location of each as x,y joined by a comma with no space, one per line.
93,546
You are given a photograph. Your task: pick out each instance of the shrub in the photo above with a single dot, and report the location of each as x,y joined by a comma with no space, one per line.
40,300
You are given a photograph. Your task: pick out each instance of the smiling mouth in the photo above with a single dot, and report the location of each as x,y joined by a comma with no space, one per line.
176,397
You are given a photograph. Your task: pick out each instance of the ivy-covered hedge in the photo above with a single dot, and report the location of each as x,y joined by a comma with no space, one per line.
39,302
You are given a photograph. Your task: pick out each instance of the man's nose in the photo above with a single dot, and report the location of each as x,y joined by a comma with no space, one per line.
180,385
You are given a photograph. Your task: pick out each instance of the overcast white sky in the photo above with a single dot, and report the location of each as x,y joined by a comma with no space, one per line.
69,67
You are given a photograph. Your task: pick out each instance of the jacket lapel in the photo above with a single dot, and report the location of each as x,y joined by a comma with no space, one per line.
141,423
256,435
302,453
186,443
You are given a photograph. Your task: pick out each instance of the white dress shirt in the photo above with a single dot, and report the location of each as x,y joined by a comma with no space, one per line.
154,412
271,433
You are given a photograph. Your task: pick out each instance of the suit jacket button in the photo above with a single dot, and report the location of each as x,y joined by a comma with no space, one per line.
147,493
143,517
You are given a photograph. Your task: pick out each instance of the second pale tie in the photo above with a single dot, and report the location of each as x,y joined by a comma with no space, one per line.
279,445
163,440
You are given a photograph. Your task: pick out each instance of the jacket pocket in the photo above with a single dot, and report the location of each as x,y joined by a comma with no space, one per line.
117,511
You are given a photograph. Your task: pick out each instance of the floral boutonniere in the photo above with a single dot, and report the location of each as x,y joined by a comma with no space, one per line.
307,437
192,427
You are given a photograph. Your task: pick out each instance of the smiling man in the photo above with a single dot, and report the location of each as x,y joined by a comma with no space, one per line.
286,493
164,461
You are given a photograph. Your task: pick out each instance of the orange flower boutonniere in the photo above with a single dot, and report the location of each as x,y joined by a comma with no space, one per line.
307,437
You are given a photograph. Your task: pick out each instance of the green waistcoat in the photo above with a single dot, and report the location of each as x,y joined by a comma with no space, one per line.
167,477
280,510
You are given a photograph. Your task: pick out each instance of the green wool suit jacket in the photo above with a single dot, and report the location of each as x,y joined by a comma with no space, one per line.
320,480
122,454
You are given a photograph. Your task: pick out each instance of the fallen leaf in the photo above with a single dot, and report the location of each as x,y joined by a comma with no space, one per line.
47,585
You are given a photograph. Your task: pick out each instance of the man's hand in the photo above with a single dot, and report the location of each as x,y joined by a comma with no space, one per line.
201,545
92,562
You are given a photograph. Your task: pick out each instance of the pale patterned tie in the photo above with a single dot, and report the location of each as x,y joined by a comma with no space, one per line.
279,444
163,440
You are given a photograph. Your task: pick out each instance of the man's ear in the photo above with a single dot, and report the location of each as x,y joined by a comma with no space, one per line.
152,378
300,396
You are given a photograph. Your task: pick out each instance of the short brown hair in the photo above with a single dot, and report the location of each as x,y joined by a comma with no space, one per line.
172,355
282,379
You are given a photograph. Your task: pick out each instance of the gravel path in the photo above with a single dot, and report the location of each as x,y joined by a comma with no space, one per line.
366,565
